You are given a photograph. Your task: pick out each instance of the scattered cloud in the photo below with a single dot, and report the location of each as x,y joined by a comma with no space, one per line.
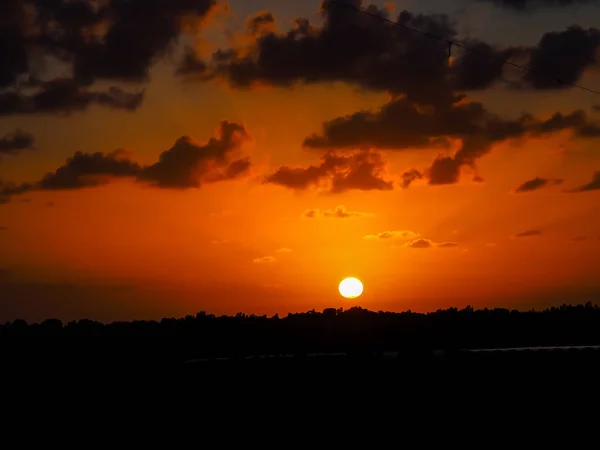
447,245
89,170
356,49
265,260
401,125
591,186
409,176
284,250
428,243
93,41
538,183
420,243
13,143
66,96
389,235
528,233
187,164
340,212
362,170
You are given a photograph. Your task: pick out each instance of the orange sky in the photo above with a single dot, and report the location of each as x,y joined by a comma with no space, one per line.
127,249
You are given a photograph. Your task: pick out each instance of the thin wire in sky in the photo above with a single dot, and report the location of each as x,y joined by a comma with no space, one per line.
461,46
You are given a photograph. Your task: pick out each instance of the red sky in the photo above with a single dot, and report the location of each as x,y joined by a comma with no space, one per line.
279,157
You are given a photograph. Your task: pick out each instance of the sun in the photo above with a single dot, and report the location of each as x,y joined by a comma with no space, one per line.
351,288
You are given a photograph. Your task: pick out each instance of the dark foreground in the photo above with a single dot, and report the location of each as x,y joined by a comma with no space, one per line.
320,366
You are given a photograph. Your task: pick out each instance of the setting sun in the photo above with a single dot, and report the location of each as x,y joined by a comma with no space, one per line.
351,288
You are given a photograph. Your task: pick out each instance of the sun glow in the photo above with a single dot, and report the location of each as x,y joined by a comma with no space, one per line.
351,288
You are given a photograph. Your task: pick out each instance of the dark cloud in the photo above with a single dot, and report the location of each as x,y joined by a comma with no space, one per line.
186,164
528,233
524,5
593,185
261,22
401,125
3,228
115,40
65,96
577,121
538,183
348,47
420,243
361,170
13,143
563,56
189,164
89,170
596,108
580,238
361,50
7,190
409,176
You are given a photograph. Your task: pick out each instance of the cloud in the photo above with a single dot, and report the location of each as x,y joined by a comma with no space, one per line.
389,235
420,243
529,233
284,250
591,186
340,212
89,170
563,55
524,5
65,96
447,245
596,108
189,164
13,143
265,260
111,40
400,125
409,176
186,165
357,49
3,228
8,189
428,243
580,238
362,170
538,183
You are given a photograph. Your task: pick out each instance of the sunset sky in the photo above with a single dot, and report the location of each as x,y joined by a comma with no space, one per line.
162,157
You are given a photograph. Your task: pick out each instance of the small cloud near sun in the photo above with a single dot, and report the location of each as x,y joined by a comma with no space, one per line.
427,243
528,233
388,235
265,260
340,212
284,250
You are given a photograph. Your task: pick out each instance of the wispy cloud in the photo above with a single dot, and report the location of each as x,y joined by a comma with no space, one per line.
529,233
389,235
340,212
265,260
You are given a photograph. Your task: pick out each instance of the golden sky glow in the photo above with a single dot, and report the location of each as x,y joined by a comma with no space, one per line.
128,249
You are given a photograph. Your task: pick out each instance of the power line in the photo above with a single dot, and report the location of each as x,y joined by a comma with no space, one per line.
461,46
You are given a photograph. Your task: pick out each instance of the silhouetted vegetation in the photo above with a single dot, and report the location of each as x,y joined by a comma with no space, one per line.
352,332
